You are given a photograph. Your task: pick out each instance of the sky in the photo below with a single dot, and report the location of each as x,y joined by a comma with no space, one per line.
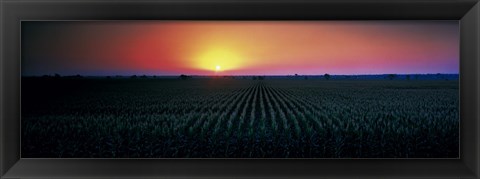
239,47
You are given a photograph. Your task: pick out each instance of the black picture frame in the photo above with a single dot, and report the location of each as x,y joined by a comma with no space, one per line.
13,11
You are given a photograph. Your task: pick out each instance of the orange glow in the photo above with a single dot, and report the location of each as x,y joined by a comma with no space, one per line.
218,58
242,47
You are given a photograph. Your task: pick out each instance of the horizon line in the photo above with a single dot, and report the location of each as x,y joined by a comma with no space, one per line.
374,74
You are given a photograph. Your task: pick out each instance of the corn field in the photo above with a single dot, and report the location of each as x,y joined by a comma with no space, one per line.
239,118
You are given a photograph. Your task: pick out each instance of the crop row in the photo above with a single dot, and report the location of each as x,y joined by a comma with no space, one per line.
242,118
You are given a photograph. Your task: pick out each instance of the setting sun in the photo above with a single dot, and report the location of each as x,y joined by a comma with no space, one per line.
221,58
241,47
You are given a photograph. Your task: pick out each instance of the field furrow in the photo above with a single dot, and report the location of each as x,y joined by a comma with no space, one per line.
281,115
240,118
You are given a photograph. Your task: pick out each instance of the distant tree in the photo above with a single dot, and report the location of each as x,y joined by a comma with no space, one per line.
57,75
438,76
296,75
254,78
78,76
417,76
305,77
154,76
184,77
326,76
407,77
391,76
133,76
260,77
108,77
143,76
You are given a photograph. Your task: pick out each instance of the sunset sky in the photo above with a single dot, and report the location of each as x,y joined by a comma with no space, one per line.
239,47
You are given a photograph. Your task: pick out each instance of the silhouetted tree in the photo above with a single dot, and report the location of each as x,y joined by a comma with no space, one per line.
305,77
326,76
57,75
184,77
254,78
133,76
391,76
407,77
440,76
143,76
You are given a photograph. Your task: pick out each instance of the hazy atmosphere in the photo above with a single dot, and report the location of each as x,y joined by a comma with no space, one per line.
239,47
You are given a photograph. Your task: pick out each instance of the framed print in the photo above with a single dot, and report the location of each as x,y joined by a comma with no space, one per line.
240,89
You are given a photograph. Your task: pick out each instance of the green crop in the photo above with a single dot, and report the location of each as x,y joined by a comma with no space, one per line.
239,118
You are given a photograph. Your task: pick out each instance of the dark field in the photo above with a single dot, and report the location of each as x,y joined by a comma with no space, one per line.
239,118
